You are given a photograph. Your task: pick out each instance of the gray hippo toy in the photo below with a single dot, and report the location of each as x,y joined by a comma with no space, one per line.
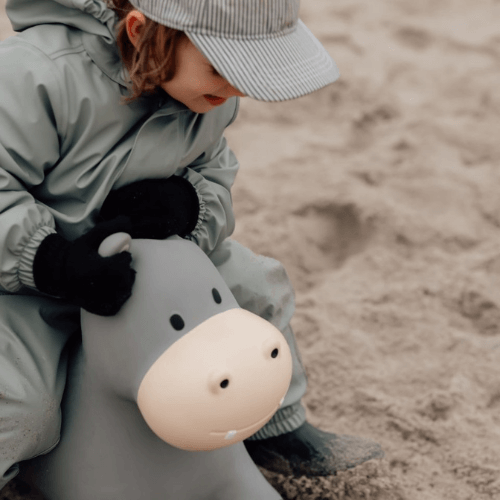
161,396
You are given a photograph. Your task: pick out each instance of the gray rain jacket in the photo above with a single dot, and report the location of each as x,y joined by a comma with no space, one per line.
66,141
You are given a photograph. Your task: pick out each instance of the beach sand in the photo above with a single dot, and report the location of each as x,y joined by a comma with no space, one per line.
380,194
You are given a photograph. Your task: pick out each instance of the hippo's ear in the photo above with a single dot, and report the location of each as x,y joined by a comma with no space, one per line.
116,243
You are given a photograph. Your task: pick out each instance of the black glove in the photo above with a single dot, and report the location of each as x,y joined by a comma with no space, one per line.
158,208
76,272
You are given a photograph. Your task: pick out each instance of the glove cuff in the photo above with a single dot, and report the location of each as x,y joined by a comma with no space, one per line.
48,265
192,207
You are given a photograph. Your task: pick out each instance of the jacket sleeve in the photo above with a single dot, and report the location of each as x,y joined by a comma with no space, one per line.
213,175
29,146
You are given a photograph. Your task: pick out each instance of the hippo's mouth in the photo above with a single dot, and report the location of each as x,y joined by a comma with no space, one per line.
231,434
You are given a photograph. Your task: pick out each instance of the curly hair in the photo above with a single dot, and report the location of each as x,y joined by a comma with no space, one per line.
153,62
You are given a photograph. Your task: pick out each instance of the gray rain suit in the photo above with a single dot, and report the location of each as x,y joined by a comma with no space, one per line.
65,143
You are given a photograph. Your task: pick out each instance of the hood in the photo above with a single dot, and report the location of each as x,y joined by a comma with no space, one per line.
93,17
90,16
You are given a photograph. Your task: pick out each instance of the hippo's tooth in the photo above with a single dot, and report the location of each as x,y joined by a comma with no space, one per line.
282,399
230,435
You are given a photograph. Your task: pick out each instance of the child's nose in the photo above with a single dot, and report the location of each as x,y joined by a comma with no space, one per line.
230,91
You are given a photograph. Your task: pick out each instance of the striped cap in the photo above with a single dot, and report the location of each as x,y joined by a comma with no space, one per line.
260,47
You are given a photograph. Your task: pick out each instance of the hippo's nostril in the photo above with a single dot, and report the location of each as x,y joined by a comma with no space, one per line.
219,380
271,348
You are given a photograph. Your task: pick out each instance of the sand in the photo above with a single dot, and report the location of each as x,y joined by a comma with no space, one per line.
380,195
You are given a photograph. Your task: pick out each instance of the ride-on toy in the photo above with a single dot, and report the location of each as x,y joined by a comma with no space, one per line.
160,397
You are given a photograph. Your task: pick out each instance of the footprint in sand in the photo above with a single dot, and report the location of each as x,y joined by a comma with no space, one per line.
483,312
413,37
333,233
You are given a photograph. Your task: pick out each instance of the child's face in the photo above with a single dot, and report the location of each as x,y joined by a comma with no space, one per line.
196,83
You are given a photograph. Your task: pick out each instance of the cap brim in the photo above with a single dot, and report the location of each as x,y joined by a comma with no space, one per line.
271,69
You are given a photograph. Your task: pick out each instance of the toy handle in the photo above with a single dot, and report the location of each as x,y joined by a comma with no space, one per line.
114,244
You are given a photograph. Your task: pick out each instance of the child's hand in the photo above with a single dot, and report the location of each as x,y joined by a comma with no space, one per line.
76,272
158,208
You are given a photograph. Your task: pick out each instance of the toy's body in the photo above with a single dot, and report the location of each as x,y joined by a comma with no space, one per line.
170,364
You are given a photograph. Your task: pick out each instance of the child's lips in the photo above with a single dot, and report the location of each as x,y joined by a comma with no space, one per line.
214,100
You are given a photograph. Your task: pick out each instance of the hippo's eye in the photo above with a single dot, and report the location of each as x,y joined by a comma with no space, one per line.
224,383
216,296
177,322
275,353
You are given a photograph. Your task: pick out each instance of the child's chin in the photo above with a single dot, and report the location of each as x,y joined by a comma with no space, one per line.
200,105
198,108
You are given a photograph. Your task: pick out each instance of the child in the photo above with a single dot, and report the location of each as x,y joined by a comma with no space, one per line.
71,135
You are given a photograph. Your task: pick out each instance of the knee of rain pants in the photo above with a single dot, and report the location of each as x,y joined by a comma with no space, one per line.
34,335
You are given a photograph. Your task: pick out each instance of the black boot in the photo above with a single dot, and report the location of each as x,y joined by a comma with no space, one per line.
308,451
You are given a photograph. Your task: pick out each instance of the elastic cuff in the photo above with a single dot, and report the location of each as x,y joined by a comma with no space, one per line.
284,420
194,204
25,272
202,212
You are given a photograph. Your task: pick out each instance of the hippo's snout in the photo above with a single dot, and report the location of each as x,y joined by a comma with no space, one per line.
218,384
